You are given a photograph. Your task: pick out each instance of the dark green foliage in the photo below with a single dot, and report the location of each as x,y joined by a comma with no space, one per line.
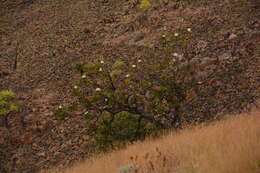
119,128
61,113
126,100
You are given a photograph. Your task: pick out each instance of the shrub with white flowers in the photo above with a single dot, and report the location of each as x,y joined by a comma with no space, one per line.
125,101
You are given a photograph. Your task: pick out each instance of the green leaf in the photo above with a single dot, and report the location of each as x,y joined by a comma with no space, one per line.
62,113
118,64
4,95
7,104
91,69
145,4
115,73
80,67
13,107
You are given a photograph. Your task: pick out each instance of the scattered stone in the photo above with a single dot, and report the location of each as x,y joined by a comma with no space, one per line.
139,37
42,154
165,28
232,36
4,135
225,56
202,45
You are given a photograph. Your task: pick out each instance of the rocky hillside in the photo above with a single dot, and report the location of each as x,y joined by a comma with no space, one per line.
41,40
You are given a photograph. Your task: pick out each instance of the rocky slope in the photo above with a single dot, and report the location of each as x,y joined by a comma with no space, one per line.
42,39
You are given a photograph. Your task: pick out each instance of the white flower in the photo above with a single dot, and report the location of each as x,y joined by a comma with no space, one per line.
189,29
102,62
134,66
175,54
128,75
86,113
98,89
60,107
83,76
100,69
106,99
163,36
75,87
139,60
176,34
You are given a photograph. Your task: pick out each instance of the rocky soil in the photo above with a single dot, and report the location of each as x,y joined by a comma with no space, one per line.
41,40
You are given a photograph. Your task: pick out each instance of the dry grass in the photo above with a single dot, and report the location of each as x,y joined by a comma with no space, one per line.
228,146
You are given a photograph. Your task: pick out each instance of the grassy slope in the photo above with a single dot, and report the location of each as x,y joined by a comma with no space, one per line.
228,146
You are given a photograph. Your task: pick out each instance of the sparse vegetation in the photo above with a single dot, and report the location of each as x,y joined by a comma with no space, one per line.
61,113
145,4
142,66
228,146
7,105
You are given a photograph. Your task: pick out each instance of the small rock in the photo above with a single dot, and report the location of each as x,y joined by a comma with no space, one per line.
225,56
41,154
56,153
202,45
165,28
139,37
86,138
206,60
4,135
232,36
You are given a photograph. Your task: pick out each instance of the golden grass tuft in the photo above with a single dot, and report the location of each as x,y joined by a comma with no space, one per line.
227,146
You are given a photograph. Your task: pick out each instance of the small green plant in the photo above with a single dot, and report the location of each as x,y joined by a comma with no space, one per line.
145,4
126,100
8,105
258,164
62,113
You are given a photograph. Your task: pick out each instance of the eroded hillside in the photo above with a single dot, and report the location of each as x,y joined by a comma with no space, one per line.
41,40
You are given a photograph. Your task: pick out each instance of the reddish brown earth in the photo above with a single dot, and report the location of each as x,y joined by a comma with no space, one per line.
47,37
